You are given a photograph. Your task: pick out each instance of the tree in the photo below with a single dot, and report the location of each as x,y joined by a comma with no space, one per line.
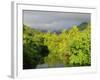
70,47
34,49
80,48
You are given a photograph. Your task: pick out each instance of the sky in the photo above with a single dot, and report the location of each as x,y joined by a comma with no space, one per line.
53,21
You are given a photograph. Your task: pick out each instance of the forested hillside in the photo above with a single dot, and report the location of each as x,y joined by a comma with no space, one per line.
70,47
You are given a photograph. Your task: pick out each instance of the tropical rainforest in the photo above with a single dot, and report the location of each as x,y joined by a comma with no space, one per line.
69,47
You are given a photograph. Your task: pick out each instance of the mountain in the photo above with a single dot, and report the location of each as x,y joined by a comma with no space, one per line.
82,26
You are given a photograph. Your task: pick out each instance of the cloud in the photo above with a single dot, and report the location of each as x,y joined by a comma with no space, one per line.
45,20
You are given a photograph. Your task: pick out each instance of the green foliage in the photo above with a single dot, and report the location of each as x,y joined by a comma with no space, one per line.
80,48
33,48
70,47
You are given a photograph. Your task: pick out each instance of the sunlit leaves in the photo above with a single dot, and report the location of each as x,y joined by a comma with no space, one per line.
70,47
80,48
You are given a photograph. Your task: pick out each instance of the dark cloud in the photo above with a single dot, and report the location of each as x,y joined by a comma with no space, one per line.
46,20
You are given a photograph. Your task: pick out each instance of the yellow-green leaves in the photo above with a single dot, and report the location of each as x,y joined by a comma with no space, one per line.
70,47
80,48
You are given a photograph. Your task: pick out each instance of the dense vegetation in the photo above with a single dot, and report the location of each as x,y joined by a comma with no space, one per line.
70,47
